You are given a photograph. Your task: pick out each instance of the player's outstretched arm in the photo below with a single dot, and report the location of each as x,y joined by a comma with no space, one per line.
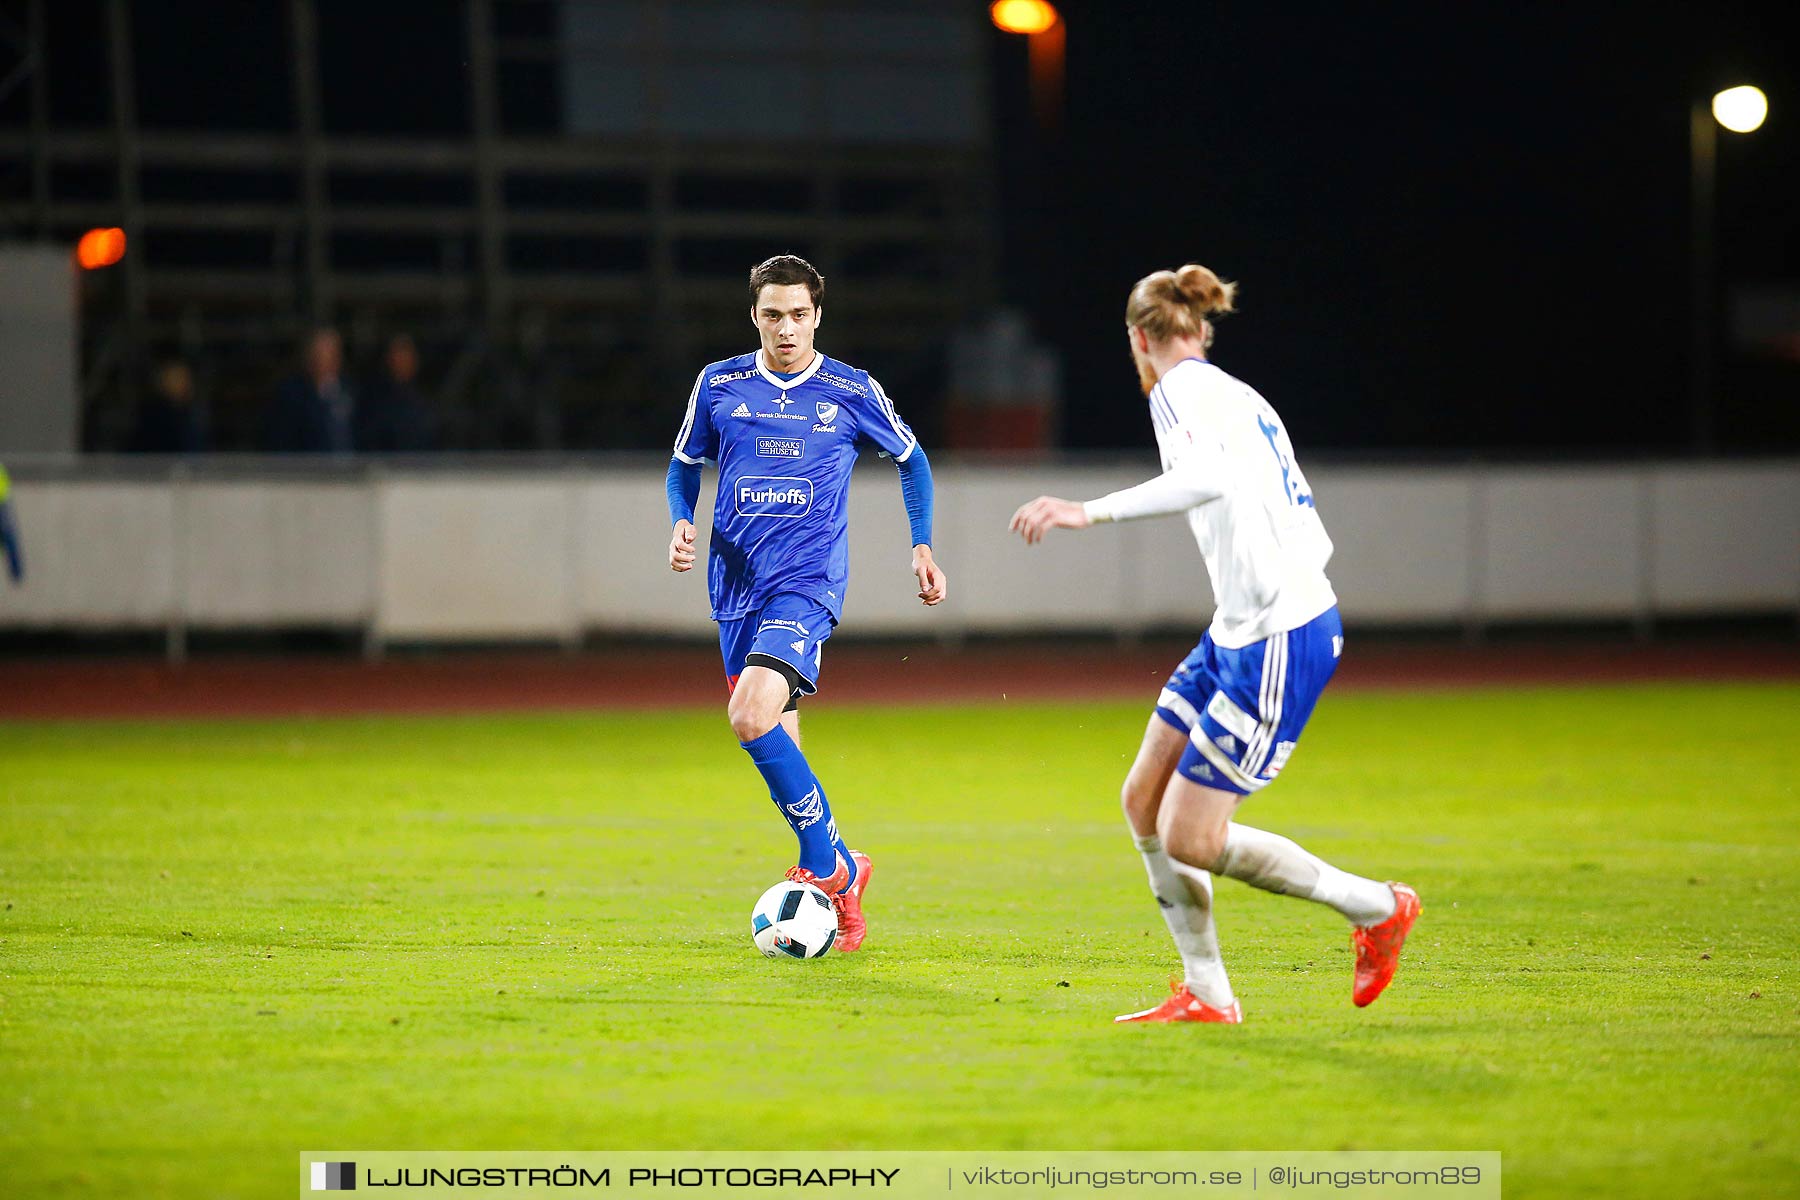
1186,485
1039,517
684,491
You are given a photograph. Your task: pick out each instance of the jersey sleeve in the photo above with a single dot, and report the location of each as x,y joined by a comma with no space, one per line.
697,440
1178,489
916,492
880,425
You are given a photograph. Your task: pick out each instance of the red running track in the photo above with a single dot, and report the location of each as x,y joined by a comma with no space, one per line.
660,676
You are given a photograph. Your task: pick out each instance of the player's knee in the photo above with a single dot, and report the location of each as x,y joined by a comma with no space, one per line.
1210,848
1196,843
1139,800
751,721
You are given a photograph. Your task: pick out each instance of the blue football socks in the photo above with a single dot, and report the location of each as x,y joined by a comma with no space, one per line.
801,799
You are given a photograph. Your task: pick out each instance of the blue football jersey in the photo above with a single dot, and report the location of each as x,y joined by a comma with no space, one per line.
784,449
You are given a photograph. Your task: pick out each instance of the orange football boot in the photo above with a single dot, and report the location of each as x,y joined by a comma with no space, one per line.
830,884
1185,1006
851,926
1378,946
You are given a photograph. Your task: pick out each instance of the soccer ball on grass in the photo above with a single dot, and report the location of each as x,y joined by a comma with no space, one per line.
794,919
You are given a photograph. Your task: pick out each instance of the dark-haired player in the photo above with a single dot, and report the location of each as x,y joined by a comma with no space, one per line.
784,424
1230,716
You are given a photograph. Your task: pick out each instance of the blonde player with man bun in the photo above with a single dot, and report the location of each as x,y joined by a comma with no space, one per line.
1228,719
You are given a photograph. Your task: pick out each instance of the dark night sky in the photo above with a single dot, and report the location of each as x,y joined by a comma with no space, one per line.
1454,225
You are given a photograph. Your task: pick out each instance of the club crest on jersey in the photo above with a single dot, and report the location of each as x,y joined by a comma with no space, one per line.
827,412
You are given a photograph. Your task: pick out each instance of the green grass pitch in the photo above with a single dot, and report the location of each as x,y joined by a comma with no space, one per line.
226,942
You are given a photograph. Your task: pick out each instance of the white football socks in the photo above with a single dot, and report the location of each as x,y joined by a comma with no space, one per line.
1185,896
1276,864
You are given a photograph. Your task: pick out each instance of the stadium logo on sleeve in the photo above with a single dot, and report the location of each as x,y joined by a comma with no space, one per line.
774,447
774,496
334,1177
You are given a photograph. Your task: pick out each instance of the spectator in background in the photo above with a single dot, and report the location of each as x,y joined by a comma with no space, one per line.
167,420
391,416
315,411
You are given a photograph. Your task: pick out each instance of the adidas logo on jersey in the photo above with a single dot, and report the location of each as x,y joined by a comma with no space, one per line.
742,410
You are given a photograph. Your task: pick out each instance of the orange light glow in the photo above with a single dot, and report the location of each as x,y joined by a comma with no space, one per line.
100,248
1022,16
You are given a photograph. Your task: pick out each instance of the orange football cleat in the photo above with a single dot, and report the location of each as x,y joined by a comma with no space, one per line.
830,884
851,926
1185,1006
1378,946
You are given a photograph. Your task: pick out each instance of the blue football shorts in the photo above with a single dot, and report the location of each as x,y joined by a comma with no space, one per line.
790,628
1243,710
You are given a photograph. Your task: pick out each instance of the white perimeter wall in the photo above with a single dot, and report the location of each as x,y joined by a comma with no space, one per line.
536,554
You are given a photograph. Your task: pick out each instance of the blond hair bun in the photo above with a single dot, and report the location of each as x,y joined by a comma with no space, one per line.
1169,304
1202,288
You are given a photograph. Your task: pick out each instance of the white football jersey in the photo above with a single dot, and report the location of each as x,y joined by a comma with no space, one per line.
1264,545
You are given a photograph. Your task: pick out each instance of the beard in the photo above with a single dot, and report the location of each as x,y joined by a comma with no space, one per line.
1146,373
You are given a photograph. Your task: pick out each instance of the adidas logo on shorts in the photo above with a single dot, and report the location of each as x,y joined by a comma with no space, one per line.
799,647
